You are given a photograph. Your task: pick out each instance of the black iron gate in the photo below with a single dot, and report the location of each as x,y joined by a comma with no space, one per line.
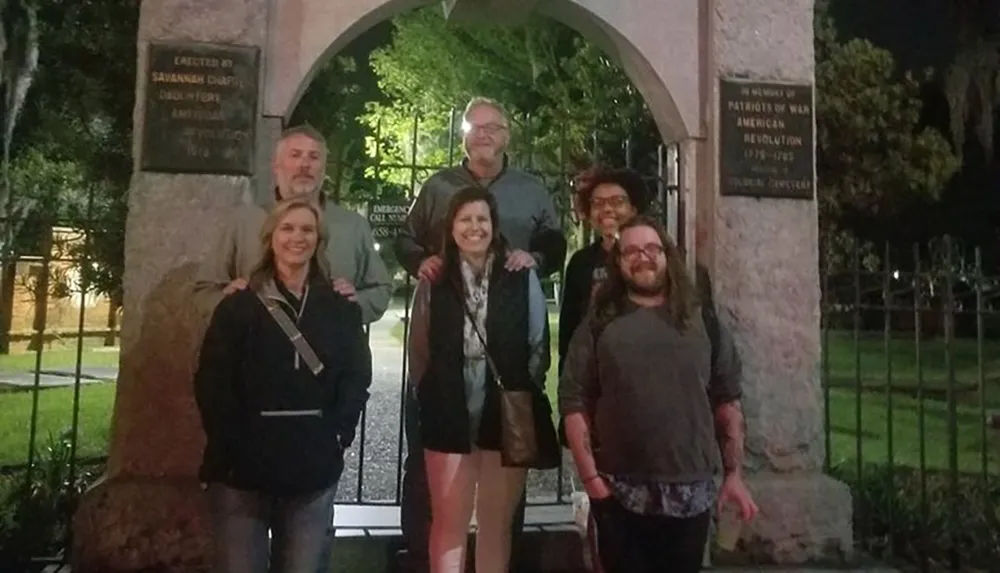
58,360
375,473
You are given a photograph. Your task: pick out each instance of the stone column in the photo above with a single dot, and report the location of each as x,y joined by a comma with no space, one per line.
763,258
147,513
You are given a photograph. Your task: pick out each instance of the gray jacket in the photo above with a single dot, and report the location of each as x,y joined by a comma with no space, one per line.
528,218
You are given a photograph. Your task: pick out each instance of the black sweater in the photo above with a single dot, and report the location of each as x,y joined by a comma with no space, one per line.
271,424
585,269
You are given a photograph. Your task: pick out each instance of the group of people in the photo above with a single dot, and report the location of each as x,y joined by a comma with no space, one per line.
649,389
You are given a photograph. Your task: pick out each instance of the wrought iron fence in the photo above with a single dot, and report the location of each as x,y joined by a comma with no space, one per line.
911,372
58,360
376,472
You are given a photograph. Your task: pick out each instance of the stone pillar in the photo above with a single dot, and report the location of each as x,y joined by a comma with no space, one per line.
147,513
763,258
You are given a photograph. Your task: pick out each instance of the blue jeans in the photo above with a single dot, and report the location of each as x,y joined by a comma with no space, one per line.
301,527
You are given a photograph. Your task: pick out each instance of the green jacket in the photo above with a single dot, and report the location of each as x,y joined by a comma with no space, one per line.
350,251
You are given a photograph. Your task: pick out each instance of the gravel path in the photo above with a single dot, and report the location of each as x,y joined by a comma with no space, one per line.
382,426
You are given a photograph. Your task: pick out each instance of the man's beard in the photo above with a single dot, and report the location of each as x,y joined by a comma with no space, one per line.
657,288
302,186
484,155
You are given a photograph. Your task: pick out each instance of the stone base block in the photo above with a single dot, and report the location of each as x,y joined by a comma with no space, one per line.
804,518
142,524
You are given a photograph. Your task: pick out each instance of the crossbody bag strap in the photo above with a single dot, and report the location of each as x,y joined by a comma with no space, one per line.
489,359
294,335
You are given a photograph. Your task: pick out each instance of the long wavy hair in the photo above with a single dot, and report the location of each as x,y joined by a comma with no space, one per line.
679,290
452,270
266,268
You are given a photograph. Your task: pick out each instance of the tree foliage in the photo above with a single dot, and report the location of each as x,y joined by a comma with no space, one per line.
19,47
561,90
80,110
334,104
971,81
873,158
67,140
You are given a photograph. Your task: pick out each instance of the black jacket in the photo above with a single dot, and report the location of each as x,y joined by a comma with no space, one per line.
578,283
271,424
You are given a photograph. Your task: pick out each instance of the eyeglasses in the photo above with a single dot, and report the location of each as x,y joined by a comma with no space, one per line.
616,202
651,250
488,128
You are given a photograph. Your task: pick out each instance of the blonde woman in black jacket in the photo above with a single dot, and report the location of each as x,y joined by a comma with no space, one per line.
278,414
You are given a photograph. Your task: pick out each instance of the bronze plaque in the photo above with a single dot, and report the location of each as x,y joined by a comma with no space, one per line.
201,109
766,140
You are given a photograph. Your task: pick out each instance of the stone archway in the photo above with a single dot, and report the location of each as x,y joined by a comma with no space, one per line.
761,252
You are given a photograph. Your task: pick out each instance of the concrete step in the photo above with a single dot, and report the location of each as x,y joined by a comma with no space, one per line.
553,549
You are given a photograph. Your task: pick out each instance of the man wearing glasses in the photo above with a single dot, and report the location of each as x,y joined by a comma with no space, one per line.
529,223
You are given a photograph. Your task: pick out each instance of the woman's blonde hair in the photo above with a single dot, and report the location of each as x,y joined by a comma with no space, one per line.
319,268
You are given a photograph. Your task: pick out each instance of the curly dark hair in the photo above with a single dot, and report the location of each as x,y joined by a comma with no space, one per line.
681,296
628,179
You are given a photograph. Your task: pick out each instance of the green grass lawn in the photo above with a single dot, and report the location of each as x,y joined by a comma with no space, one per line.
906,432
59,355
848,362
55,405
55,415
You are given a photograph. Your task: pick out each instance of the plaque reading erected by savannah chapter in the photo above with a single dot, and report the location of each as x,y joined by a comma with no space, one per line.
386,217
766,140
201,109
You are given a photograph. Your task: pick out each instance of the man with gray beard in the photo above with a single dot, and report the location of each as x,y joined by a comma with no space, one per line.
299,168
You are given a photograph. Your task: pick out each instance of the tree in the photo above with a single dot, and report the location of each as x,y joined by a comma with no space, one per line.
82,110
19,41
873,159
970,82
79,111
559,88
334,104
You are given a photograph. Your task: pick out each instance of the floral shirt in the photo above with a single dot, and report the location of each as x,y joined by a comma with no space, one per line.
662,498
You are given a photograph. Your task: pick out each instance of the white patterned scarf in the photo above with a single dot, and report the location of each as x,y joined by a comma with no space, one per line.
476,288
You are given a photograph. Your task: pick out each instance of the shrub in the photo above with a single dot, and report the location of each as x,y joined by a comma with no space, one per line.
892,521
35,514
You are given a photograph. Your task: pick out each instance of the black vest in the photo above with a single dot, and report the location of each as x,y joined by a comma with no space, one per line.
444,416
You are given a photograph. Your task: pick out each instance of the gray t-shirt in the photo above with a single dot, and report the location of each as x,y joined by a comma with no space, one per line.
650,391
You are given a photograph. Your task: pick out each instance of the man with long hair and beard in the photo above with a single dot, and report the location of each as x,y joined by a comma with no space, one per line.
650,393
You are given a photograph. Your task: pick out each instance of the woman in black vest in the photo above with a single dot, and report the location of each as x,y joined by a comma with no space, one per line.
278,414
456,391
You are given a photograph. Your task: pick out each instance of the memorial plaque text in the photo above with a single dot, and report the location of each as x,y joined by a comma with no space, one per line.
201,109
766,140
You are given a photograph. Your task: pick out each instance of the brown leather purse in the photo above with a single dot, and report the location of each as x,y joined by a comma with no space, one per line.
519,445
